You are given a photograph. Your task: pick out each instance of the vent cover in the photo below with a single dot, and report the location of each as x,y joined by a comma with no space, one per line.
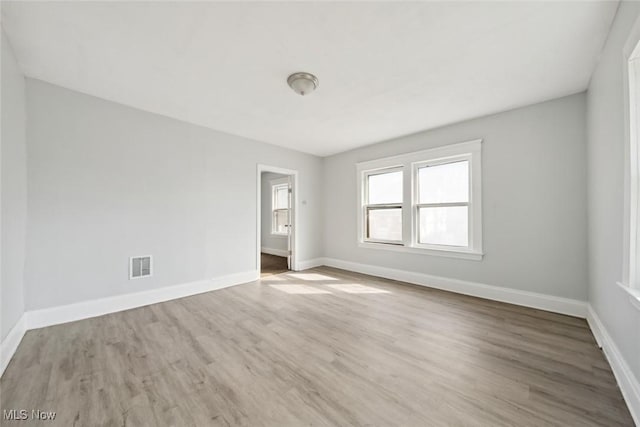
140,266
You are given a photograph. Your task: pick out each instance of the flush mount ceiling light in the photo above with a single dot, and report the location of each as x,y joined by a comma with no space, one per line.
303,83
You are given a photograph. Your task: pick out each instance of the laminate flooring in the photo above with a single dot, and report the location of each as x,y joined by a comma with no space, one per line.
272,264
323,347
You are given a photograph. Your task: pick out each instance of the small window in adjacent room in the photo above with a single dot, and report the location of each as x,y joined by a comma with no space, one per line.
383,208
280,208
424,202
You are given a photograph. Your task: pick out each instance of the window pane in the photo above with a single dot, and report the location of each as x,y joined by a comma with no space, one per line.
444,226
280,220
282,197
385,188
384,224
146,266
444,183
136,267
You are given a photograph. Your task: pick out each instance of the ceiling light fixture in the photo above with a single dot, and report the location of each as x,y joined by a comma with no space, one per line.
303,83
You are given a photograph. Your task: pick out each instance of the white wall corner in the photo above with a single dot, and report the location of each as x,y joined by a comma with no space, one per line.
545,302
10,343
628,383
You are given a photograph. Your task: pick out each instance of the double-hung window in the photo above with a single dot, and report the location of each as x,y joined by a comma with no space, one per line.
425,202
383,208
442,203
280,207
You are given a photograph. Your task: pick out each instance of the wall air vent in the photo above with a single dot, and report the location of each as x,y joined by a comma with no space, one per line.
139,267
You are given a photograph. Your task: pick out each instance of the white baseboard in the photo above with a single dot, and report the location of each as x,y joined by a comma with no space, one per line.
274,251
628,383
310,263
86,309
35,319
10,343
545,302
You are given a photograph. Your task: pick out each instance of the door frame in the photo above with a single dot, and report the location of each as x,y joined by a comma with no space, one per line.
293,217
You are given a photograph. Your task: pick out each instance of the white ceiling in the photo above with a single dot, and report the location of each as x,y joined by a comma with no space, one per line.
385,69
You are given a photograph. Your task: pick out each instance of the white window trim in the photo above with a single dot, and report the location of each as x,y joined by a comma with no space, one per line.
409,164
631,225
273,183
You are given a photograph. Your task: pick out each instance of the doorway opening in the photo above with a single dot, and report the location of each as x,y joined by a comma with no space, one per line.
276,220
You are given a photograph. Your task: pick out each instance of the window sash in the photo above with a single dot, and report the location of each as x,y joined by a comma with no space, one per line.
377,172
441,162
369,208
418,244
275,189
274,222
274,197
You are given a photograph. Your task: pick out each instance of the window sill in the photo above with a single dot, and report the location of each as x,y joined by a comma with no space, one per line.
449,253
634,294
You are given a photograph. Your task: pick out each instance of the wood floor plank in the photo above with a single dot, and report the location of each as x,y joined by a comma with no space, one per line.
324,347
272,264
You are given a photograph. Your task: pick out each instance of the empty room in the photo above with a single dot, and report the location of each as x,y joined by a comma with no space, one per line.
317,213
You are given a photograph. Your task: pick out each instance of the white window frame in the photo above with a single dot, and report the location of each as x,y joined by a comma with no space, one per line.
367,206
630,281
417,205
275,184
410,163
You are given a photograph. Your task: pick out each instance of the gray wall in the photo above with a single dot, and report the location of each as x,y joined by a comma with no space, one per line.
14,190
534,200
268,240
606,141
108,182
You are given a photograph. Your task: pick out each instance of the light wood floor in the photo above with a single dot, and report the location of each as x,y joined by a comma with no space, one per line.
272,264
318,348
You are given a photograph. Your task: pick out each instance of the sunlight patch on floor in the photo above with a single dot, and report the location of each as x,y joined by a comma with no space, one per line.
311,276
273,278
350,288
299,289
354,288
